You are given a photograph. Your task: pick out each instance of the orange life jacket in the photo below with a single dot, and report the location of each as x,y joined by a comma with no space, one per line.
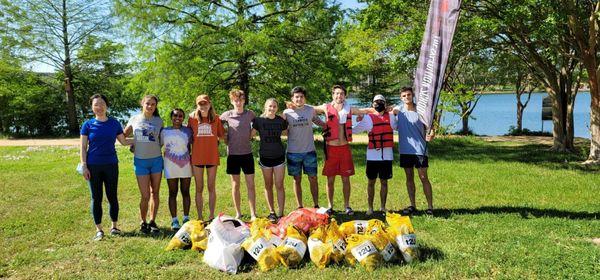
331,131
382,134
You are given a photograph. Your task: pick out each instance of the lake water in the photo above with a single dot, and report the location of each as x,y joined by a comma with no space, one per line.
495,113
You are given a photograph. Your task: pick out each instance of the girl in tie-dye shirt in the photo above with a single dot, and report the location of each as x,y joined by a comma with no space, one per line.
177,140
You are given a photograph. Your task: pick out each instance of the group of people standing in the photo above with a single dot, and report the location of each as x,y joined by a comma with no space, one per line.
193,151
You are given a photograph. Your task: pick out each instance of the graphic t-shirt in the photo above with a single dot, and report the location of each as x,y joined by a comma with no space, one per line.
238,131
101,140
270,131
206,140
146,133
300,130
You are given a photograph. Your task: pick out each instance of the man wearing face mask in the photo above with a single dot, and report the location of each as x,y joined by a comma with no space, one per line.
380,154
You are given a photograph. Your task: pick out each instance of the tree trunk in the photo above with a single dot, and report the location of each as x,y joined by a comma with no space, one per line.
465,125
71,113
520,109
594,156
243,78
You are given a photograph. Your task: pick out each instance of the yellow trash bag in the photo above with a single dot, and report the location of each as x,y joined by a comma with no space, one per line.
361,226
293,247
404,234
199,236
258,245
384,244
361,249
336,239
319,250
187,234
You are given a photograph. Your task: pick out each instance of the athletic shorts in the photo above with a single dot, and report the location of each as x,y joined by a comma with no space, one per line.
381,169
271,162
339,161
417,161
204,165
298,162
238,163
147,166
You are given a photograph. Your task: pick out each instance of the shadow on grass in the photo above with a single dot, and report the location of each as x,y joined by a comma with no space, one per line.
427,253
165,233
525,212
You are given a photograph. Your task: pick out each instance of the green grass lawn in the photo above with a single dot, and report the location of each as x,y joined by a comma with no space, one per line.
505,210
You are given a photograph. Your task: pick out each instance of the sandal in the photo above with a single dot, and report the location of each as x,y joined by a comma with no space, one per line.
115,232
429,212
349,211
409,210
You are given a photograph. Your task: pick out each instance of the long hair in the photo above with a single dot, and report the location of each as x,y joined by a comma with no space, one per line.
156,114
264,113
211,111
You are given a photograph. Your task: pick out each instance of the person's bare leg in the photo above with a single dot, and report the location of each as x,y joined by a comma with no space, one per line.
173,190
346,190
185,195
251,194
426,186
279,174
235,194
298,190
330,185
199,180
370,194
212,192
383,193
154,194
144,186
314,189
268,178
410,185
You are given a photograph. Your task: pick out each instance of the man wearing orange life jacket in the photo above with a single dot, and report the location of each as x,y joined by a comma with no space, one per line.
380,153
337,135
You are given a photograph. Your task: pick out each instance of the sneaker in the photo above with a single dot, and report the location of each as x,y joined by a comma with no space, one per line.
144,228
317,206
153,227
115,232
349,211
369,211
185,219
429,212
272,218
99,235
175,225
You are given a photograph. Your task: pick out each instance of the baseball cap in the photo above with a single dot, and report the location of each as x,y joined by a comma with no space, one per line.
378,97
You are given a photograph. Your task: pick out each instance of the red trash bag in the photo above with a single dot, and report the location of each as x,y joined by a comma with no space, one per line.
305,219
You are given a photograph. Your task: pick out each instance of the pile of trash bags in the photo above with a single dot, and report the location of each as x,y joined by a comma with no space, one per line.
227,241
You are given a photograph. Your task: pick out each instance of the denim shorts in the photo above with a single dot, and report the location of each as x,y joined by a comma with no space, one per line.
147,166
298,162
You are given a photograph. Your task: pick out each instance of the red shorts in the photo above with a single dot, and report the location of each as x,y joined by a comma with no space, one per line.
339,161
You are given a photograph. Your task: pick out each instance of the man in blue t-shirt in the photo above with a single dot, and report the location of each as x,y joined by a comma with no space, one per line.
412,146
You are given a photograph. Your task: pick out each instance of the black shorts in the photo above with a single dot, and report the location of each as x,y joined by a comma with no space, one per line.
410,161
379,168
271,162
238,163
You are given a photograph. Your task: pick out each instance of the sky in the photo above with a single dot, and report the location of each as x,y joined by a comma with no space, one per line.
345,4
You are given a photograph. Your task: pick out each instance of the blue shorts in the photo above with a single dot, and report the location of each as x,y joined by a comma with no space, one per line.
147,166
298,162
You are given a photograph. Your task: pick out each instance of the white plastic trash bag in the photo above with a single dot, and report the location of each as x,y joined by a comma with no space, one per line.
224,250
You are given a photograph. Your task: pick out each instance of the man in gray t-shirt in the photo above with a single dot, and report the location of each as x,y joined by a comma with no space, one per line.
301,154
239,150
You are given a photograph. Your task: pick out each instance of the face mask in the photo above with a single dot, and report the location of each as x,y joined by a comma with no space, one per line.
379,107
